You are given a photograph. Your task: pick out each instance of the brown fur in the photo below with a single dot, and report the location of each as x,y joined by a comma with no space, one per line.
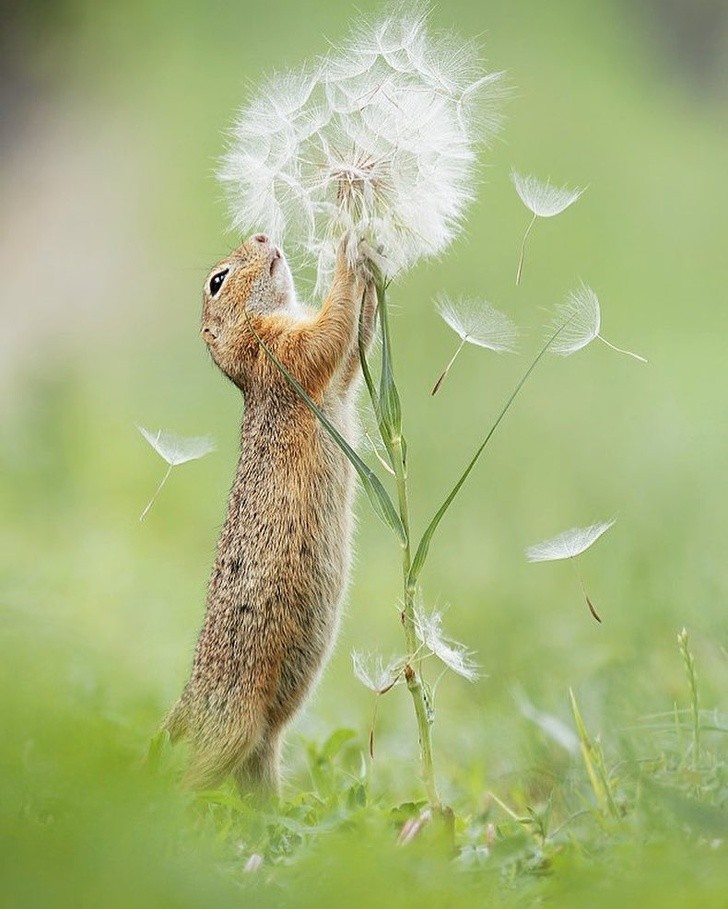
283,555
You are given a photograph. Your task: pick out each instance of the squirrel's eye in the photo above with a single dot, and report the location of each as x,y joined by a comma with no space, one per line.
216,281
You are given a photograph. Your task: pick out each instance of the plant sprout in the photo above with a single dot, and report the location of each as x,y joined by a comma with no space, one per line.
544,200
475,322
568,545
174,450
585,320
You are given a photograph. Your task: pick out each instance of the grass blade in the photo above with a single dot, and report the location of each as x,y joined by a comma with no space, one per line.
390,406
424,544
366,372
594,763
689,662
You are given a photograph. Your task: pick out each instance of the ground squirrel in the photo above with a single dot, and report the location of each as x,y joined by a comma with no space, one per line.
283,555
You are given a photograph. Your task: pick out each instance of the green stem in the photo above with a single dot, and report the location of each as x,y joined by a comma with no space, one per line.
412,674
397,450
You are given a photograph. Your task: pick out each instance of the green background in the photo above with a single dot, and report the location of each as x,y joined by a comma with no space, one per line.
114,117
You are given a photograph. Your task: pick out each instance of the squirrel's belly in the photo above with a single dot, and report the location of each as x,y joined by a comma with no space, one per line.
278,581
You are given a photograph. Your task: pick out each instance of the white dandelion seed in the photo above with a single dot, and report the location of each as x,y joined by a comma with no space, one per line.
378,138
174,450
543,200
581,318
374,673
476,322
568,545
428,628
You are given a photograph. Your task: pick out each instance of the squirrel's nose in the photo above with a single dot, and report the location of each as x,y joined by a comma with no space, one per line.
261,238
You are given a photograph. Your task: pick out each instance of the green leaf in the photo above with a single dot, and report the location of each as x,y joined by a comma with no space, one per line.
594,763
335,742
424,544
366,372
378,496
389,402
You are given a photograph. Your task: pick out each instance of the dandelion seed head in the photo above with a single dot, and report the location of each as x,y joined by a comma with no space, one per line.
428,628
580,316
379,138
569,544
477,322
542,197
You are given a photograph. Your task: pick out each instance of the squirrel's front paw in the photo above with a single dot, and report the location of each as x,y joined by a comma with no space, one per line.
358,255
372,260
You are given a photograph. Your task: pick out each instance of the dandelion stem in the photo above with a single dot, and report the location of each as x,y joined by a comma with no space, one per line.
446,370
622,350
523,250
158,490
396,447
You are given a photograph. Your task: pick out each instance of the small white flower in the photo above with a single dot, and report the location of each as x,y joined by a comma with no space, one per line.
455,656
581,319
569,544
374,674
475,322
544,200
174,450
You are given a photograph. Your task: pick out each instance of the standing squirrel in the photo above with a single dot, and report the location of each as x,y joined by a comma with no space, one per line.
284,553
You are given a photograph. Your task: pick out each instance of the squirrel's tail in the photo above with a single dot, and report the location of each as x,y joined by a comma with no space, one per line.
216,748
215,756
176,722
219,742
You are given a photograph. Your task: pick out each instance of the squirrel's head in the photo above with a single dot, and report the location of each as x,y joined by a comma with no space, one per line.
254,279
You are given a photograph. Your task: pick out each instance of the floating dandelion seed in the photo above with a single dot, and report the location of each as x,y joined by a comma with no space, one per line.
174,450
582,314
455,656
379,678
552,726
568,545
476,322
379,137
542,199
373,673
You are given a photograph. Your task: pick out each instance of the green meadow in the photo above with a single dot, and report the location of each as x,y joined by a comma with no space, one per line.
112,217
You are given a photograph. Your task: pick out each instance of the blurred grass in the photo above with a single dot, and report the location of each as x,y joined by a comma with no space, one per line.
98,614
